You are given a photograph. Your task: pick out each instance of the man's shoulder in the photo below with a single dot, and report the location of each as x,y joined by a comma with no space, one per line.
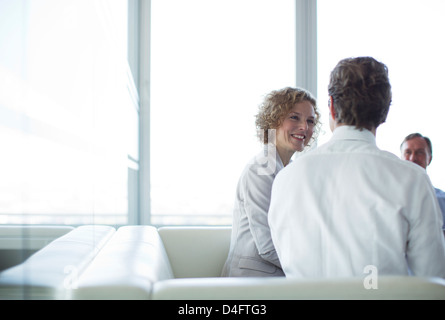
440,194
367,156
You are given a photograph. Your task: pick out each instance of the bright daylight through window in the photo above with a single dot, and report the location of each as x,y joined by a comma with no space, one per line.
406,35
71,111
65,70
211,64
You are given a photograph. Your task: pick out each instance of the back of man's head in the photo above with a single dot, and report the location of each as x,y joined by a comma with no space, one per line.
361,92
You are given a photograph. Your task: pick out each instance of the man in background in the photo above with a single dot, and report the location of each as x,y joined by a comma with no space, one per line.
418,149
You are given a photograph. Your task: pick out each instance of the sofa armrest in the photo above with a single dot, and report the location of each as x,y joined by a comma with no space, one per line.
126,267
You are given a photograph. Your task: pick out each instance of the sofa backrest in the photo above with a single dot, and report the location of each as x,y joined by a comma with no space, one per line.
196,252
17,243
30,236
126,267
49,272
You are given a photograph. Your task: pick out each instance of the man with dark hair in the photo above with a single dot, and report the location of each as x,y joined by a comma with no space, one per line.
418,149
347,205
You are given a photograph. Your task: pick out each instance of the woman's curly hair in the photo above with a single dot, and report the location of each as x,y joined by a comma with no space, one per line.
361,92
277,105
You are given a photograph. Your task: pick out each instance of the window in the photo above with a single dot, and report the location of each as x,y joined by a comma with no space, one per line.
211,64
406,36
69,118
128,111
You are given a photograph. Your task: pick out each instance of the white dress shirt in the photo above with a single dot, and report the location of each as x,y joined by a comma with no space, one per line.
348,205
252,252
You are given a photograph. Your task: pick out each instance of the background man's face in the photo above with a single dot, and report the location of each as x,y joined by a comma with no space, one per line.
416,150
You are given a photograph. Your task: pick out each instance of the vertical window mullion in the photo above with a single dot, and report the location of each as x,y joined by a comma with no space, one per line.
144,112
306,44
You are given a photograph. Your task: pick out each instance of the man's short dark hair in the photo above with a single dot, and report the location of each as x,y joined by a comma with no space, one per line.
361,92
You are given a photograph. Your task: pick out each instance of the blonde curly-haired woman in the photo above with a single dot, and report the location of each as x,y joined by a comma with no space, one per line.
287,122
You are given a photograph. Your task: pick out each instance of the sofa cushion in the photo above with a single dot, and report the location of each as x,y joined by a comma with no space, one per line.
126,267
196,251
53,270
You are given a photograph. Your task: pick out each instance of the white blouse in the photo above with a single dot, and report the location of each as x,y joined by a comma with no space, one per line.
252,252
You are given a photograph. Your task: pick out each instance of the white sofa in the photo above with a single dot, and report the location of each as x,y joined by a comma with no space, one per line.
17,243
49,273
143,262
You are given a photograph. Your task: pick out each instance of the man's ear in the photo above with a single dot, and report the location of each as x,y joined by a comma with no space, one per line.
331,107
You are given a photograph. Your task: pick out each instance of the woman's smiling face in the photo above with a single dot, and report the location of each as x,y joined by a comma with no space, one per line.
296,129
